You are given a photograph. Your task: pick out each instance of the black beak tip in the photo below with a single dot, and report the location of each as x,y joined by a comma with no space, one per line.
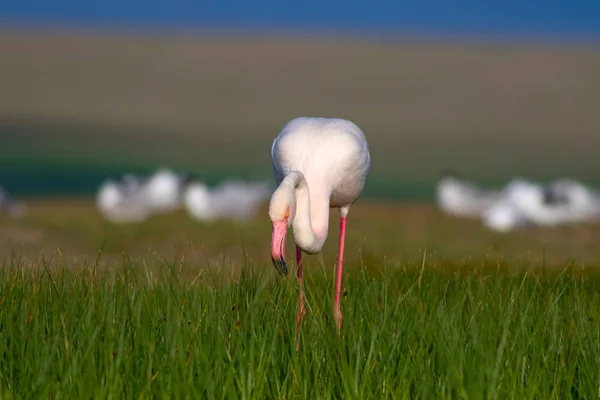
281,266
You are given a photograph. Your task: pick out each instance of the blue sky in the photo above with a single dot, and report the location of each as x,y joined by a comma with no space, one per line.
520,17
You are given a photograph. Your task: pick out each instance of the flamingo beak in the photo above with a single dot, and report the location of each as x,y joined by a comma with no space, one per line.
278,246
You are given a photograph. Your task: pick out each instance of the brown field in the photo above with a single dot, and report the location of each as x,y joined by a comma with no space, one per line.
380,235
489,109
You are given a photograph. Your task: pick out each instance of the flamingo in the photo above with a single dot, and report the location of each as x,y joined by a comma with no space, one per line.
460,198
132,184
529,203
506,214
163,191
232,199
118,206
318,163
583,201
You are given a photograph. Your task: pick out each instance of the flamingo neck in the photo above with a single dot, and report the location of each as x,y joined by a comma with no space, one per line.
311,221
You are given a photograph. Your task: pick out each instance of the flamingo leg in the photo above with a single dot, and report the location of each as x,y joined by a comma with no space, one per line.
338,275
301,310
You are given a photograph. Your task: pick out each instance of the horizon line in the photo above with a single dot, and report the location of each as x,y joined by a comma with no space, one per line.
304,32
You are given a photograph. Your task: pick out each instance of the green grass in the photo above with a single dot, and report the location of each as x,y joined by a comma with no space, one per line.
412,331
178,308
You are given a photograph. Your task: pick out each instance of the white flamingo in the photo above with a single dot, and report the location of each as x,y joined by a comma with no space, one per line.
460,198
318,163
544,208
523,202
581,201
505,213
118,206
231,199
162,192
132,184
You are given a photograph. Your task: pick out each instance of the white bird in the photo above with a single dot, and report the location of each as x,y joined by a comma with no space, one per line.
581,201
198,202
319,163
503,217
560,203
505,213
232,199
132,184
460,198
162,192
118,206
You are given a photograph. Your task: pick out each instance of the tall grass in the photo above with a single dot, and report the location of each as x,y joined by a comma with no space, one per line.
414,332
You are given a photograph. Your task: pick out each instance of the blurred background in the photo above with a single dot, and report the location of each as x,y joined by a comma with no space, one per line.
492,89
92,90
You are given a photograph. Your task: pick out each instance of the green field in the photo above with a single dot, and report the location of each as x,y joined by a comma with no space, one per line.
433,306
434,331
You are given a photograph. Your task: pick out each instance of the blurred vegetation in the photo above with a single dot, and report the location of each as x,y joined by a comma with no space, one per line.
80,106
69,231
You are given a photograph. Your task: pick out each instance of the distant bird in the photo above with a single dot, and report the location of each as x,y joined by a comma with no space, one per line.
232,199
132,184
318,163
118,205
582,202
503,216
505,213
560,203
458,197
163,191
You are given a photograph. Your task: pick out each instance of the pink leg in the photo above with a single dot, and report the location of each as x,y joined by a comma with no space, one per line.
338,275
302,310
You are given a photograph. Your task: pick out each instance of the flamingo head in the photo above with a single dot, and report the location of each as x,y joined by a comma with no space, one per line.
282,211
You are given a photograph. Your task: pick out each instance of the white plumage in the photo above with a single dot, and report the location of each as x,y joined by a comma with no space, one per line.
318,163
232,199
116,205
333,161
460,198
521,203
506,213
582,202
162,192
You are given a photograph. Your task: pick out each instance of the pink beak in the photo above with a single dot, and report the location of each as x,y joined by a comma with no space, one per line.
278,246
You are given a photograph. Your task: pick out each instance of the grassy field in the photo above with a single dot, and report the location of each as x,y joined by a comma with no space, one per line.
433,307
75,324
475,333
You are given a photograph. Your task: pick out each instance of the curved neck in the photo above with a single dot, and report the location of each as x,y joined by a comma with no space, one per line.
311,221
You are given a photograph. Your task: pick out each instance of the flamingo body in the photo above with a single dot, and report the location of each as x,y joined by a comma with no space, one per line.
318,163
163,191
506,214
583,202
116,205
524,203
460,198
332,154
232,199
